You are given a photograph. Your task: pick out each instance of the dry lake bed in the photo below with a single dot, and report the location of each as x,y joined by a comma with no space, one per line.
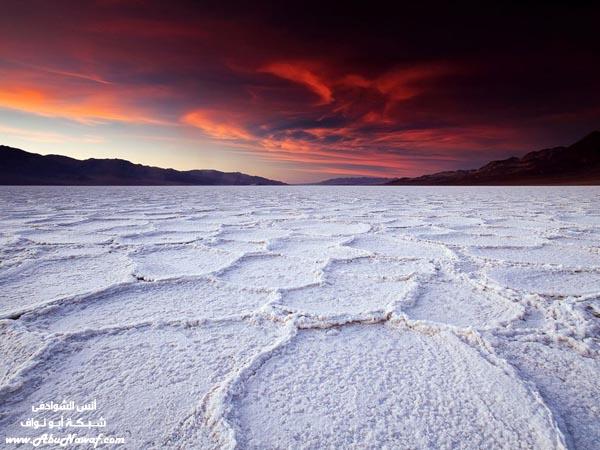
301,317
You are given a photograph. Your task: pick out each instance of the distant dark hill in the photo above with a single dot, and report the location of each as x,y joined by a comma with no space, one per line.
354,181
578,164
18,167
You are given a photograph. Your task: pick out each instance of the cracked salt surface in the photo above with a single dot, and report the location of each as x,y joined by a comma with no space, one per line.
133,371
357,286
148,303
161,263
459,302
36,282
306,317
372,386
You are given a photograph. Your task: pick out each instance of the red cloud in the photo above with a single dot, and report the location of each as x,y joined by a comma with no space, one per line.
402,84
217,124
298,73
82,106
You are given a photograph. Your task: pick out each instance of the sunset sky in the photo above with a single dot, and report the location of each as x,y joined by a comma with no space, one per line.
297,91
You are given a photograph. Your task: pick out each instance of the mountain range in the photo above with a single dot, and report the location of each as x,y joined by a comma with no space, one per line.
354,181
18,167
577,164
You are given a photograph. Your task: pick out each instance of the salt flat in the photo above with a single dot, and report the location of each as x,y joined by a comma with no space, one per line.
305,317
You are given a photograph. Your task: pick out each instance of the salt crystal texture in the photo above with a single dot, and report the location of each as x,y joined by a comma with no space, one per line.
306,317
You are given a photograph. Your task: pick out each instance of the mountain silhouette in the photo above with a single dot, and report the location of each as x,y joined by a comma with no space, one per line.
18,167
577,164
